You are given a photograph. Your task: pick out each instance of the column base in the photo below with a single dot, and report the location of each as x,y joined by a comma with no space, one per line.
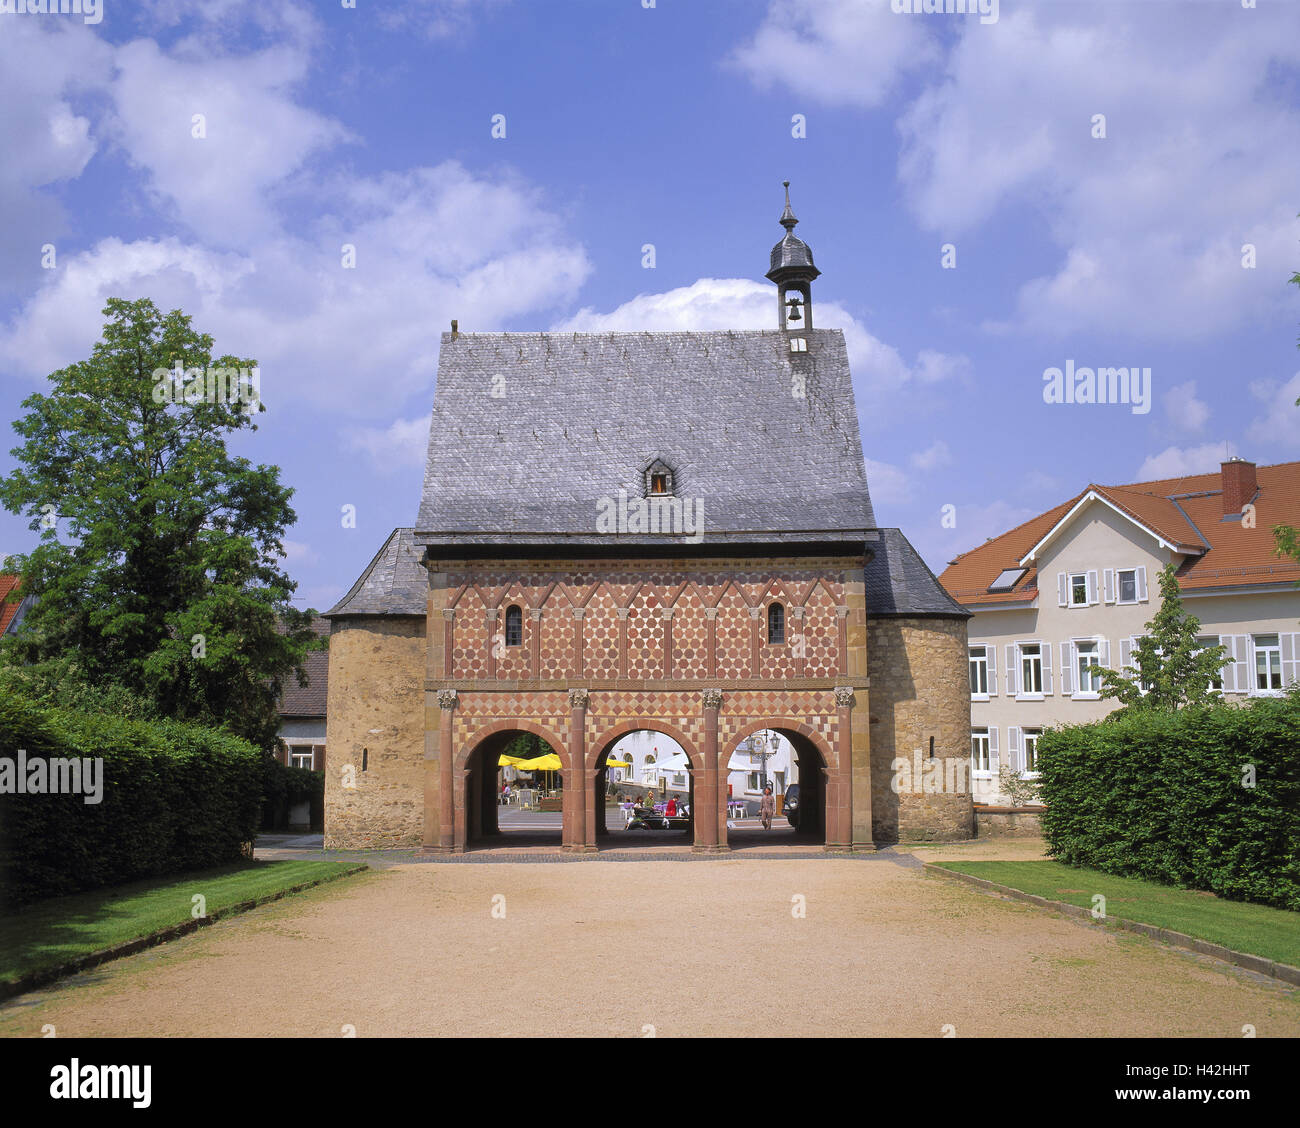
714,849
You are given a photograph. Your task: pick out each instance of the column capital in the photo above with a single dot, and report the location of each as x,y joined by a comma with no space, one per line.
447,699
755,612
842,612
535,613
712,698
579,612
622,612
578,698
449,613
844,696
666,612
492,613
710,612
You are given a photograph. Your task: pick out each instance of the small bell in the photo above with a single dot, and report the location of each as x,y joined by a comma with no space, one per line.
794,305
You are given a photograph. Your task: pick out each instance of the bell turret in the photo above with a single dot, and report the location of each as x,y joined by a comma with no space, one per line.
793,272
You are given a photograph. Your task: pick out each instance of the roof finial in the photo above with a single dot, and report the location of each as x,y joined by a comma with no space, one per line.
788,220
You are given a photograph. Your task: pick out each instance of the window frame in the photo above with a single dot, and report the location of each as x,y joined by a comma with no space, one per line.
519,611
976,771
1070,578
1027,735
775,610
982,661
1021,659
295,752
1093,693
1274,649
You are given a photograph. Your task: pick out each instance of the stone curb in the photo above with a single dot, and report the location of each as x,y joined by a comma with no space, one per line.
9,988
1284,972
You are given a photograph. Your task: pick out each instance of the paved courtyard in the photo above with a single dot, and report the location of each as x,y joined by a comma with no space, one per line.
709,947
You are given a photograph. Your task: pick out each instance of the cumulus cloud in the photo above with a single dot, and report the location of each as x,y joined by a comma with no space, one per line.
887,483
879,371
1178,462
835,51
1186,412
934,457
403,443
1281,421
974,525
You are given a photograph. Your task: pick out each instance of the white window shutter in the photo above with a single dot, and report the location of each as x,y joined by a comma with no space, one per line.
1067,668
1242,663
1046,651
1062,589
1141,578
1103,655
991,653
1013,748
1290,644
1011,669
993,748
1108,576
1126,656
1092,587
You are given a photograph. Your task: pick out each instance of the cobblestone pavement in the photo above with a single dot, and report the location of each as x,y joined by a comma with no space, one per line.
554,949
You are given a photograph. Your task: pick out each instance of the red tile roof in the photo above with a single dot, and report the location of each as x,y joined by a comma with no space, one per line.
8,610
1187,512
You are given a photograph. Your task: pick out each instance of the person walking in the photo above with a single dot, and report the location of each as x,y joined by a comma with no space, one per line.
672,806
767,808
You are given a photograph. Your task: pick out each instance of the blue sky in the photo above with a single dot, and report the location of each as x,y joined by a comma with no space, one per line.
673,125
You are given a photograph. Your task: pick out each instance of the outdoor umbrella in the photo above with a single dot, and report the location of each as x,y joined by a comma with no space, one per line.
548,763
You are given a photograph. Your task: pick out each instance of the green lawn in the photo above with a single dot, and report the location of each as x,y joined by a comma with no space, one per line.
1259,930
54,932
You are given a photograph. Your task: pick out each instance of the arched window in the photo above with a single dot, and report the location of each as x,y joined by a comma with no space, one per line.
775,623
514,626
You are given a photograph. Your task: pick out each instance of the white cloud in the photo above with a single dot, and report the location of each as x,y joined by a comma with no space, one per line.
975,524
1185,411
935,456
887,484
1178,462
880,373
297,553
835,51
1281,422
404,443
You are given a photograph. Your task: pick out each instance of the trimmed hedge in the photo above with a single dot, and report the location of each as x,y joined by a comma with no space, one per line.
175,797
1161,796
284,787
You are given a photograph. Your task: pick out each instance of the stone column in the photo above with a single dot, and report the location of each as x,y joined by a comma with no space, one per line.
755,645
711,621
842,613
801,645
577,796
579,658
622,613
535,643
711,819
448,640
667,613
446,753
492,613
839,805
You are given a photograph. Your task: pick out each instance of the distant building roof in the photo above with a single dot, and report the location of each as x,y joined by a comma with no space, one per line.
581,416
309,700
9,611
1186,513
394,583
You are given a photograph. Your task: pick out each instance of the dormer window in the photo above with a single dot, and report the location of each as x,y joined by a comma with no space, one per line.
659,479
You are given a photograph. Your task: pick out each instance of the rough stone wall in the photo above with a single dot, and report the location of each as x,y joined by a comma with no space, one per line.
920,689
1008,824
376,681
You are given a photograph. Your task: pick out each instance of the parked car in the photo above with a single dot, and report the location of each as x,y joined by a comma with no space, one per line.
790,807
643,818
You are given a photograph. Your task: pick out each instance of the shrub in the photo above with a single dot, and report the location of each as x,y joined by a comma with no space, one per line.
283,787
175,797
1167,796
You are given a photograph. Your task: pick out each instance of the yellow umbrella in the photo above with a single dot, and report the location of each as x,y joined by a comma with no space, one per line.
618,763
548,763
508,762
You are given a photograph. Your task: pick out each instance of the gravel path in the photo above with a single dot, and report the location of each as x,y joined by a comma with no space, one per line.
708,949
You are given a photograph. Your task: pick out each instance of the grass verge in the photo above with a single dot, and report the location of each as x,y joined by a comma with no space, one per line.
64,934
1259,930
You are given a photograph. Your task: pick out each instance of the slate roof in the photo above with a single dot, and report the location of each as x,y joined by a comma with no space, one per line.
1186,511
309,700
394,583
900,583
582,415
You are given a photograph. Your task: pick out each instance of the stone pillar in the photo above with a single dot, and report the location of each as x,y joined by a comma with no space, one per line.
576,792
755,645
446,753
711,820
842,613
711,622
492,613
622,613
839,799
579,658
535,647
667,613
801,647
448,639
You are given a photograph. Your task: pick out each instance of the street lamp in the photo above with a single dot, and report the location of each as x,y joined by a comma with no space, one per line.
759,747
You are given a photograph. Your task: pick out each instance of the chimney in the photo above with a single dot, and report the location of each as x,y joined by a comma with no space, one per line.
1239,484
455,329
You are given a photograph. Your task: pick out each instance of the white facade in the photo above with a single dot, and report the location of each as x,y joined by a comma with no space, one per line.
1097,588
744,770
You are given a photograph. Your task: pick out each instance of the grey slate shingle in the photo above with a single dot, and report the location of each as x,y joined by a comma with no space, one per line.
900,583
583,415
394,583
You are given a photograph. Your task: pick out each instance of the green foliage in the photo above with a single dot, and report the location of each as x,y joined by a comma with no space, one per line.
1170,669
175,797
1167,796
168,581
284,787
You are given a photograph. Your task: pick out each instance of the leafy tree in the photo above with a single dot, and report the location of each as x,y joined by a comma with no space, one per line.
1170,668
168,582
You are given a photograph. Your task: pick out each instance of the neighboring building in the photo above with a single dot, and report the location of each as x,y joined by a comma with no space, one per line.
645,531
1077,585
303,709
748,764
12,613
